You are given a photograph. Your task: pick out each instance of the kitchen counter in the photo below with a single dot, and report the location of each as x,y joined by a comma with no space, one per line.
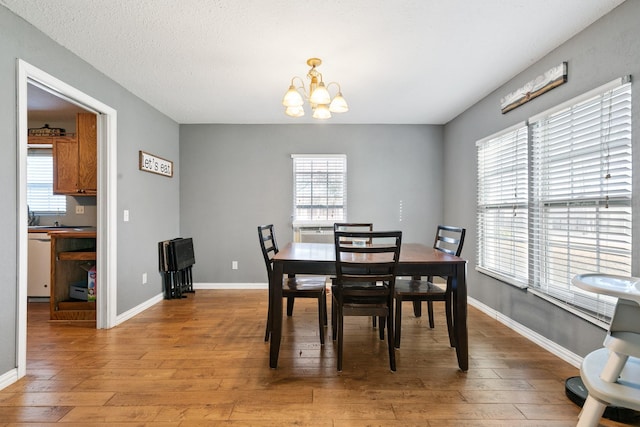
65,229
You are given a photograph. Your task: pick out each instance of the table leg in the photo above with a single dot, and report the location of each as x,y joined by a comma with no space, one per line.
459,286
275,293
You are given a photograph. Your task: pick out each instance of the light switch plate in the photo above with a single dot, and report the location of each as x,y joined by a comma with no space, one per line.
126,215
79,209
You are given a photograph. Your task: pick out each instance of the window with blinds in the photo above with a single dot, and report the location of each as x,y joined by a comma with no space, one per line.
554,199
319,189
580,204
502,205
40,197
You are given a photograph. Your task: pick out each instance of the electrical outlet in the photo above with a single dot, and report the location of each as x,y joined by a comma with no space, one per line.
144,278
126,215
234,265
79,209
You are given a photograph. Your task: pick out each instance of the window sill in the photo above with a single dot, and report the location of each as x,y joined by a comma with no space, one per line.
508,280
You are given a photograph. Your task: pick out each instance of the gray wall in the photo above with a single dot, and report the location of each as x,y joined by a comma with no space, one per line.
606,50
152,199
236,177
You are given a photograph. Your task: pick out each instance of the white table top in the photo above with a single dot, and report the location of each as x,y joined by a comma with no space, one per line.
617,286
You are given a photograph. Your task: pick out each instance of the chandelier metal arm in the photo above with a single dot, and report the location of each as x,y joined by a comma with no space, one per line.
335,83
301,89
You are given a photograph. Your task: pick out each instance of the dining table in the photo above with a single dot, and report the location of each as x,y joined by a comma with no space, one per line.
415,260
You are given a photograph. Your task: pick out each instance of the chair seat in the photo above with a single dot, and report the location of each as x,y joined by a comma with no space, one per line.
417,288
624,393
304,284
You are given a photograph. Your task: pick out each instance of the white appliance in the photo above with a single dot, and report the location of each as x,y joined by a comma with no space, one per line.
39,265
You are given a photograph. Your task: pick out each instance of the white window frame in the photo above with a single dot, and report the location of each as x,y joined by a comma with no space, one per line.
567,182
324,205
502,216
40,197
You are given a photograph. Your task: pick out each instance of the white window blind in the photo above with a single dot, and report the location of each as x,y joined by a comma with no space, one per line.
502,205
40,197
581,196
319,189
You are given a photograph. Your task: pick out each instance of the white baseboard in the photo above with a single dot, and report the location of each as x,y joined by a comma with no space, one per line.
531,335
8,378
138,309
230,286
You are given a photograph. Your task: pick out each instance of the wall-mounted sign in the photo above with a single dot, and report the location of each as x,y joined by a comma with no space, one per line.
150,163
541,84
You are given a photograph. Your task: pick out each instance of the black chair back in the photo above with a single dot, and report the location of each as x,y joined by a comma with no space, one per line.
449,239
352,226
268,245
360,266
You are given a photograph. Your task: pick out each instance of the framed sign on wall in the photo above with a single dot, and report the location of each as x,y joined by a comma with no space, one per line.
154,164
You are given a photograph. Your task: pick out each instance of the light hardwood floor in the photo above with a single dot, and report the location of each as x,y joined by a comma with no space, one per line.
202,361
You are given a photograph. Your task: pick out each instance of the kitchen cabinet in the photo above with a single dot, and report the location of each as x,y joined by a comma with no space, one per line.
72,252
75,160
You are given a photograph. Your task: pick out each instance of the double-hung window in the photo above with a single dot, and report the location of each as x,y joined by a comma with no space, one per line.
502,205
575,216
40,197
581,196
319,189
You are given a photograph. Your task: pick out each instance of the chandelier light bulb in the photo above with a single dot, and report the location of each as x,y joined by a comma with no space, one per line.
292,98
317,96
321,112
338,104
296,111
320,95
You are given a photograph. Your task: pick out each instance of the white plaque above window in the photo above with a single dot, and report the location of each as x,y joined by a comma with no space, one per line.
536,87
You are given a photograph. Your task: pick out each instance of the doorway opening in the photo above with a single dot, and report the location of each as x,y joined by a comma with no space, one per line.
106,224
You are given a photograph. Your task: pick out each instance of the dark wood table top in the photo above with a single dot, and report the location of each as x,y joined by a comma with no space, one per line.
410,253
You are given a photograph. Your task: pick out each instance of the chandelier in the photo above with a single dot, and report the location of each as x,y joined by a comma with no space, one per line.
318,95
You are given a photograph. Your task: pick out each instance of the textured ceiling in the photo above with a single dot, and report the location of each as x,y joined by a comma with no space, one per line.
230,61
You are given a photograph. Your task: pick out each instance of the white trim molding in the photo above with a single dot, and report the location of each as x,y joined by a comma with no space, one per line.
531,335
8,378
139,309
231,286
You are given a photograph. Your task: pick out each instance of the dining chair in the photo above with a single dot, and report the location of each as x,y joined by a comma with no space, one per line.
352,226
365,280
292,286
449,239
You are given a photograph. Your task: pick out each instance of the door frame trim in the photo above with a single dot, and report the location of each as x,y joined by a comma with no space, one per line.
106,200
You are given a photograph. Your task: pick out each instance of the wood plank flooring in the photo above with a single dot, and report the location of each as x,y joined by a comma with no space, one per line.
202,361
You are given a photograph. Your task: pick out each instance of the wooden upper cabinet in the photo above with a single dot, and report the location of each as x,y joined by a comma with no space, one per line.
87,152
65,165
75,160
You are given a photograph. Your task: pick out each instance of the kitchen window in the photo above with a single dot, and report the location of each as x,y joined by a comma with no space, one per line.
578,202
40,197
319,189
